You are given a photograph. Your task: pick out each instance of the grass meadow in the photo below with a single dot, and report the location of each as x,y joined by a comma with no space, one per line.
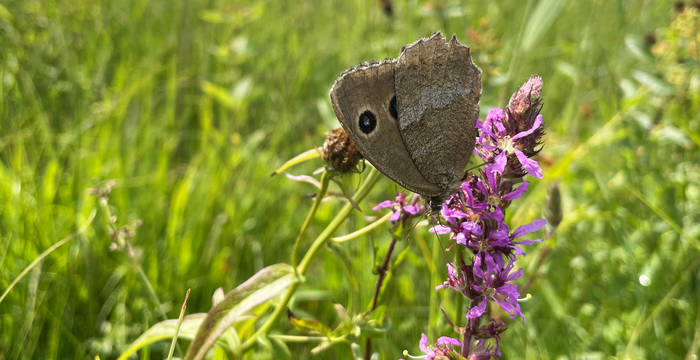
186,107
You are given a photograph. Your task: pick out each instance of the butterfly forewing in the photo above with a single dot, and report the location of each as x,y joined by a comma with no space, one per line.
362,102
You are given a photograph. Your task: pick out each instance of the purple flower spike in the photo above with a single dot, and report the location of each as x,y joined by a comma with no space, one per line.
507,141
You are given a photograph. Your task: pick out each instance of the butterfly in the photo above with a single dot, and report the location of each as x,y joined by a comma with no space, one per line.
413,118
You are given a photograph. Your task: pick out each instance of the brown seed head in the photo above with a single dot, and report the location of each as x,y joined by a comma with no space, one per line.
339,152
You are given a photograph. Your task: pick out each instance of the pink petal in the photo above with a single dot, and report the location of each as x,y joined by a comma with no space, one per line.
495,115
411,209
528,164
517,193
499,163
395,216
511,309
451,270
528,228
529,242
538,122
423,342
384,204
514,276
461,239
478,310
485,129
446,340
440,229
477,267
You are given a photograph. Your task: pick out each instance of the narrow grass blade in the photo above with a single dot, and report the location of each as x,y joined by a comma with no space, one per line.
177,328
46,253
541,19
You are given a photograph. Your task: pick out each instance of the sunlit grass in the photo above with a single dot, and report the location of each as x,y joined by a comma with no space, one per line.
189,106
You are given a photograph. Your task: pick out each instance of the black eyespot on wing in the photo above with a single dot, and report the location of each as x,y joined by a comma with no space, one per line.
392,108
367,122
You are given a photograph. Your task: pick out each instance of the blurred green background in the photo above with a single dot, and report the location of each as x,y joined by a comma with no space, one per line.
189,106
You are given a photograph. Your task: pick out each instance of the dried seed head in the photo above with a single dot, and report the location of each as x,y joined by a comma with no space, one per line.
339,152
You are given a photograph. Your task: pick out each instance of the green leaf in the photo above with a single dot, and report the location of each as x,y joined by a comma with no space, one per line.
260,288
165,330
306,155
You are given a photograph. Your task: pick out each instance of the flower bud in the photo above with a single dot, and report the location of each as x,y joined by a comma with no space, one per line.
526,96
553,210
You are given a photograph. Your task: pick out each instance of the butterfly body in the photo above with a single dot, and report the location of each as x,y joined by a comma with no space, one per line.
413,117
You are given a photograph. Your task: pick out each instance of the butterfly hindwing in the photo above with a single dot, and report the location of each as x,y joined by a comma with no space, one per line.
438,89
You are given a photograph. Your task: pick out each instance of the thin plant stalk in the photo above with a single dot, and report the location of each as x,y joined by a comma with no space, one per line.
179,323
381,275
325,178
321,240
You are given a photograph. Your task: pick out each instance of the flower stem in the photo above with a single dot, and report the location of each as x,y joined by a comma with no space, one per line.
467,340
380,279
364,189
319,197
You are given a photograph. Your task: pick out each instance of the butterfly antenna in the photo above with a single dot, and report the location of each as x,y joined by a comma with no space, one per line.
466,172
436,220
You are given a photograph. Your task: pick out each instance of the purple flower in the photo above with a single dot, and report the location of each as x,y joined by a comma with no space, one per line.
491,189
453,280
401,207
495,285
443,347
494,136
461,224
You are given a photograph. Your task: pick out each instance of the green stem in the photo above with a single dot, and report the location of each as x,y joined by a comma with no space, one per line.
364,189
319,197
322,238
150,289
